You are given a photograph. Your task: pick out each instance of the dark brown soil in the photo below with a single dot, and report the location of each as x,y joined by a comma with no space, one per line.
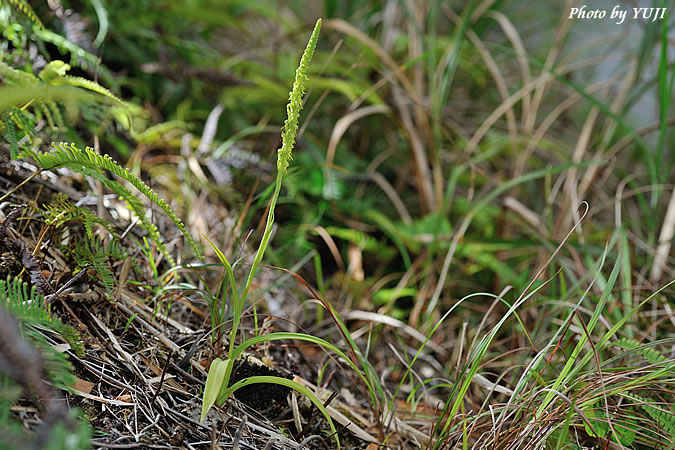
259,396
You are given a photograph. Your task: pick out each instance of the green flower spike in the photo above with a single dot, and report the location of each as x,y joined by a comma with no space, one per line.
295,104
284,155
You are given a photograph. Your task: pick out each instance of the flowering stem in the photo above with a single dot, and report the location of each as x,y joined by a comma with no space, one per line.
284,156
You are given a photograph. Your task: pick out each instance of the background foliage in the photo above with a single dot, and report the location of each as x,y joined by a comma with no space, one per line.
446,151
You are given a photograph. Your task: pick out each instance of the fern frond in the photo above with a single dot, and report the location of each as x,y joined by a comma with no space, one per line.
87,252
89,85
154,133
358,238
55,112
22,122
652,355
76,160
13,76
78,56
61,210
27,10
57,366
26,79
28,307
47,113
10,135
350,89
17,95
96,254
43,111
54,70
89,162
665,418
54,73
139,210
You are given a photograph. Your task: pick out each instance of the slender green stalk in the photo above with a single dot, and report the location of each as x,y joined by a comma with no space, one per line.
217,384
285,153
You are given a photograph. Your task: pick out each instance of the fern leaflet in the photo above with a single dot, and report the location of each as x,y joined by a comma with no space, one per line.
88,162
62,210
9,133
650,354
24,7
665,419
28,306
96,254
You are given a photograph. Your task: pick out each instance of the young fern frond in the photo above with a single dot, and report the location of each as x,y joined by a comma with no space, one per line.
27,10
15,77
62,210
94,252
53,70
78,56
88,162
89,85
54,73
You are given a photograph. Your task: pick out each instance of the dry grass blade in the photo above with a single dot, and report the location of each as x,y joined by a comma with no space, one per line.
552,55
551,119
345,122
395,323
330,243
392,195
501,86
527,214
348,29
572,195
516,42
422,172
517,96
665,241
500,82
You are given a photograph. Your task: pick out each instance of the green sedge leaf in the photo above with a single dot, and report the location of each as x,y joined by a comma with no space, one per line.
214,380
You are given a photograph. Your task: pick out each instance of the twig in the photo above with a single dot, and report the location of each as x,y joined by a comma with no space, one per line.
161,379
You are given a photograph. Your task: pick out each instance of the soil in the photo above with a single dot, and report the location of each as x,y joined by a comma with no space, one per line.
261,396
